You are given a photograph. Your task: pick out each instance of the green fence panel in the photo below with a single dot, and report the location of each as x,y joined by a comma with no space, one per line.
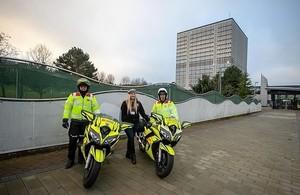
29,80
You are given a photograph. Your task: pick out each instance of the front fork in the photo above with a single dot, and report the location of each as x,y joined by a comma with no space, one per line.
166,148
159,153
98,155
88,160
140,139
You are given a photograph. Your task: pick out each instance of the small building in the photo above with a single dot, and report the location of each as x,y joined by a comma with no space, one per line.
285,97
279,97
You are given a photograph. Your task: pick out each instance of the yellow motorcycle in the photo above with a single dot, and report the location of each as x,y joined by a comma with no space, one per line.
100,136
158,139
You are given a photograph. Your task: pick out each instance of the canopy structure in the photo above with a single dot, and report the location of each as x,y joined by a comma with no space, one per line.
285,97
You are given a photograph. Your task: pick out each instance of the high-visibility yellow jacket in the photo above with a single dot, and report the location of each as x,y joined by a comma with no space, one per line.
167,109
75,103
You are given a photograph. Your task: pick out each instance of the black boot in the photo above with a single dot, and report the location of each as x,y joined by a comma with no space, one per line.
133,159
69,164
129,149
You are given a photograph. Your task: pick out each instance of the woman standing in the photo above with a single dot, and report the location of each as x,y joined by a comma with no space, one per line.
131,108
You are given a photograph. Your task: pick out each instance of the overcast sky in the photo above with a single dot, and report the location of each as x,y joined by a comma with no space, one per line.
137,38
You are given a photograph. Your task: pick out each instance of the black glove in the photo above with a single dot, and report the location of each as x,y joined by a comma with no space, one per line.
65,123
148,124
148,118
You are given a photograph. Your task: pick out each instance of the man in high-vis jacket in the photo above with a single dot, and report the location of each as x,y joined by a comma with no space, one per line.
164,106
76,102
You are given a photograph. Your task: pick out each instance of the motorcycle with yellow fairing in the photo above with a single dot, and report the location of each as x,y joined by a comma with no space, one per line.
100,136
158,138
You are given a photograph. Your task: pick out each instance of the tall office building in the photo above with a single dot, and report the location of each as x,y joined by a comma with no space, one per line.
209,49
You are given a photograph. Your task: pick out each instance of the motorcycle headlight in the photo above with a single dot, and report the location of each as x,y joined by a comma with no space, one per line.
177,136
110,140
165,133
94,136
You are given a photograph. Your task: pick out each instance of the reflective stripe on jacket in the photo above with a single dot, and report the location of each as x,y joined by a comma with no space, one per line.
167,109
75,103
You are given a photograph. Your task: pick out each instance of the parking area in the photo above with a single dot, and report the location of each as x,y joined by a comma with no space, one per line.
252,154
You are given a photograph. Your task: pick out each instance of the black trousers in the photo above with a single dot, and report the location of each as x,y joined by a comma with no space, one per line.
130,142
76,133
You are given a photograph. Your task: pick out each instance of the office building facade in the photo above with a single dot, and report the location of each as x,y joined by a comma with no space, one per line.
208,50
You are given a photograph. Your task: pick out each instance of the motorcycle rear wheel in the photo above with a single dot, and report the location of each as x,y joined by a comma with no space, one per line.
91,173
165,166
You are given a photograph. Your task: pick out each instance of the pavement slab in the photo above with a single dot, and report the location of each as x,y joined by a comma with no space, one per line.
251,154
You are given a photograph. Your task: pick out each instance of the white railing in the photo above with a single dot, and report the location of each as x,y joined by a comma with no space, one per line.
31,124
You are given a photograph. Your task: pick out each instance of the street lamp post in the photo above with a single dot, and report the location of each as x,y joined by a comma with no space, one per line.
218,70
220,73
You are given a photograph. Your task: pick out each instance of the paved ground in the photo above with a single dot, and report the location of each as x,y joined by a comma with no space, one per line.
253,154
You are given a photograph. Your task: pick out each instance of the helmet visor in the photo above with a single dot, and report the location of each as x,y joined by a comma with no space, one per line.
162,93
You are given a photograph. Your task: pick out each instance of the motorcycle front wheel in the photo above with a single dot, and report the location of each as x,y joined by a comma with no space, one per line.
91,173
164,167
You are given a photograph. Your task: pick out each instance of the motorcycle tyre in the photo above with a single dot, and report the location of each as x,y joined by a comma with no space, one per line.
91,173
168,162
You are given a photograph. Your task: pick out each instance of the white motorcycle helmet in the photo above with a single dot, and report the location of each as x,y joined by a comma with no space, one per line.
162,91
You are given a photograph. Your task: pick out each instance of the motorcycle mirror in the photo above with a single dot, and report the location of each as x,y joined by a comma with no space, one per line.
148,125
88,115
185,124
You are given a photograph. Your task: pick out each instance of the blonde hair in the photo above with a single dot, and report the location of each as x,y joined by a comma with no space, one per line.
131,105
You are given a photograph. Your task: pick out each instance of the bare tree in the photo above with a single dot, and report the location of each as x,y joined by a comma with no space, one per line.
125,80
6,49
136,81
139,81
110,79
100,76
40,54
143,82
